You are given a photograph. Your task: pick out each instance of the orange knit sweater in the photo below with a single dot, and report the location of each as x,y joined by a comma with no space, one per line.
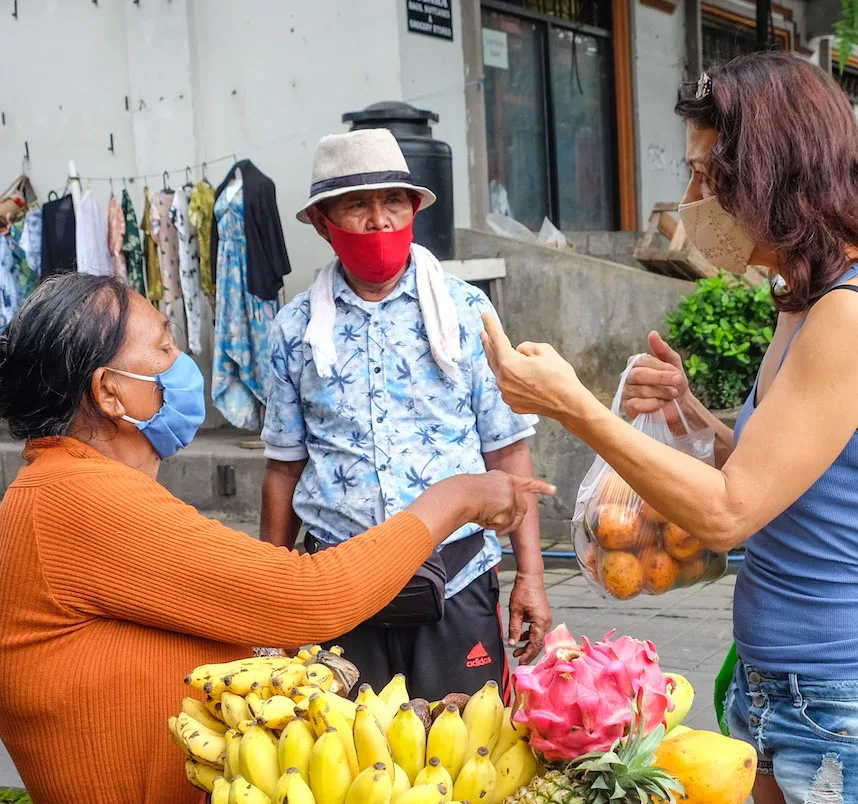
111,590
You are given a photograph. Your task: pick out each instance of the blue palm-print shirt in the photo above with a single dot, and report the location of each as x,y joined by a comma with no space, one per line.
388,423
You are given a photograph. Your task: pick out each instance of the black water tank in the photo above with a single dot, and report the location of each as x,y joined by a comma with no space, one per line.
430,162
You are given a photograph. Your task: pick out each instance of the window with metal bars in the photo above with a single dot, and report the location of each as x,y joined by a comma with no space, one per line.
587,12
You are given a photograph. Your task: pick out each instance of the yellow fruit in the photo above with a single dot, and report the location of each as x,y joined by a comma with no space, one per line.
366,697
407,738
231,764
510,734
234,709
622,574
478,779
714,769
660,571
400,782
197,710
323,718
648,512
292,789
295,746
371,742
679,543
220,791
395,693
514,769
483,716
682,694
676,731
448,740
243,792
257,757
371,786
617,528
330,774
276,712
435,773
424,794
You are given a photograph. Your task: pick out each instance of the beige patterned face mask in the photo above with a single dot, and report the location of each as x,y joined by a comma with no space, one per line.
717,235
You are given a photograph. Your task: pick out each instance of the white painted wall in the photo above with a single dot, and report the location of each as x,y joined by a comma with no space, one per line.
659,58
264,79
433,77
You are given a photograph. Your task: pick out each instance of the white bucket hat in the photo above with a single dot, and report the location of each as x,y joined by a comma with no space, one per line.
366,159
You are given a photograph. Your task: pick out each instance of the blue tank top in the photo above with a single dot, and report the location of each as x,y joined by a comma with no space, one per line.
796,602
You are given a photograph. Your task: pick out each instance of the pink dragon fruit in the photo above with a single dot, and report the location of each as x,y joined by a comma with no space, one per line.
579,698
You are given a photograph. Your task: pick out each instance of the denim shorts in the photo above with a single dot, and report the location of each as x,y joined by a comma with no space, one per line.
805,732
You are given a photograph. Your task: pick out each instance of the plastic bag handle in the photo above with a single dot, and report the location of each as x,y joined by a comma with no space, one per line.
615,405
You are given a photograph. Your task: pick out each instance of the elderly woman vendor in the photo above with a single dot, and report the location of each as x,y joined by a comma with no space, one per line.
111,589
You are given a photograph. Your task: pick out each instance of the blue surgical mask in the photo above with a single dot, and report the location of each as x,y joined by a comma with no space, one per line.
183,410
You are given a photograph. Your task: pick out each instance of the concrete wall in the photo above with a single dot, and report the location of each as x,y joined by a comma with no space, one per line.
659,62
264,79
596,314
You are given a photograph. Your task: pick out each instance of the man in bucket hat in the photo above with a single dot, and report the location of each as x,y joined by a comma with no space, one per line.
380,389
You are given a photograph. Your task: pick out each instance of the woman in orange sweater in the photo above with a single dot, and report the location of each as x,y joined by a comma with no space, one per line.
111,589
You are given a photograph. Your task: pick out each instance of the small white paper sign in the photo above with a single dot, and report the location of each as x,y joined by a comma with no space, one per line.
495,52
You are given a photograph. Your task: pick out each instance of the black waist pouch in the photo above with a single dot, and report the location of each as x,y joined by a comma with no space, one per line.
421,602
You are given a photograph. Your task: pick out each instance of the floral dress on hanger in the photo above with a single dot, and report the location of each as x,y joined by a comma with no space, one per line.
189,268
167,240
242,324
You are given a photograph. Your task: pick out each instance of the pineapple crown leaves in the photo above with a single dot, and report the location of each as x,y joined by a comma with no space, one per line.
626,774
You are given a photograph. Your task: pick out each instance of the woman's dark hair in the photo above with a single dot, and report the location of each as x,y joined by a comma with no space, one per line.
70,326
785,164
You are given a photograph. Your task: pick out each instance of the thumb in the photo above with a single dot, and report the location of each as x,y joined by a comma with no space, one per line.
516,621
662,351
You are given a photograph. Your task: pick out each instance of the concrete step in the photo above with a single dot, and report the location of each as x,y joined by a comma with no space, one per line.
214,474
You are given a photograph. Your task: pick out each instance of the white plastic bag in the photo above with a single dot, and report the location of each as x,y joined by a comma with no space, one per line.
509,227
550,235
625,547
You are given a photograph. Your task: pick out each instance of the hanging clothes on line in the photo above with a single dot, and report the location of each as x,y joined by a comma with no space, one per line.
26,279
116,236
59,250
200,212
132,248
267,261
189,267
243,321
31,239
167,239
93,256
154,285
8,285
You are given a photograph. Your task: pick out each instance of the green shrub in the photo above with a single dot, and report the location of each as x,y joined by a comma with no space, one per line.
13,797
722,330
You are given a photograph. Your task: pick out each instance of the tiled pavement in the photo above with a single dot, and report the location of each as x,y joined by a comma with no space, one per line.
691,628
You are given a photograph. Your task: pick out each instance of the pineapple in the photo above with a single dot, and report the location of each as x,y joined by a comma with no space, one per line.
624,775
553,788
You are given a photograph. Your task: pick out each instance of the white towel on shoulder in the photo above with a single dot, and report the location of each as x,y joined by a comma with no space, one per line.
439,315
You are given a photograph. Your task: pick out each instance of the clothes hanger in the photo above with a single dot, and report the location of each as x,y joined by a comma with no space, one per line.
165,178
112,194
189,184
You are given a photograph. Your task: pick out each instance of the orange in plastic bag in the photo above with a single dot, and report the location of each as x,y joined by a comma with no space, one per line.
624,546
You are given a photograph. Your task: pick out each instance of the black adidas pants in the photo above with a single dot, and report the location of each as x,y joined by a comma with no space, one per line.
458,654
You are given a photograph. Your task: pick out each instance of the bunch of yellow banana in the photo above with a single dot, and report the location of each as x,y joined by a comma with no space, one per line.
281,730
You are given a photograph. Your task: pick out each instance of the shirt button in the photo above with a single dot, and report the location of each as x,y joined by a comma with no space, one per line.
754,678
375,323
753,720
759,701
382,468
380,419
377,369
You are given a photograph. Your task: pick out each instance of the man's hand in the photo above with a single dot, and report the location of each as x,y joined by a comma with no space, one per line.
528,603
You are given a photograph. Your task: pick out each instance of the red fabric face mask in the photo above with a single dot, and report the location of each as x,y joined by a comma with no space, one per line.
372,256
